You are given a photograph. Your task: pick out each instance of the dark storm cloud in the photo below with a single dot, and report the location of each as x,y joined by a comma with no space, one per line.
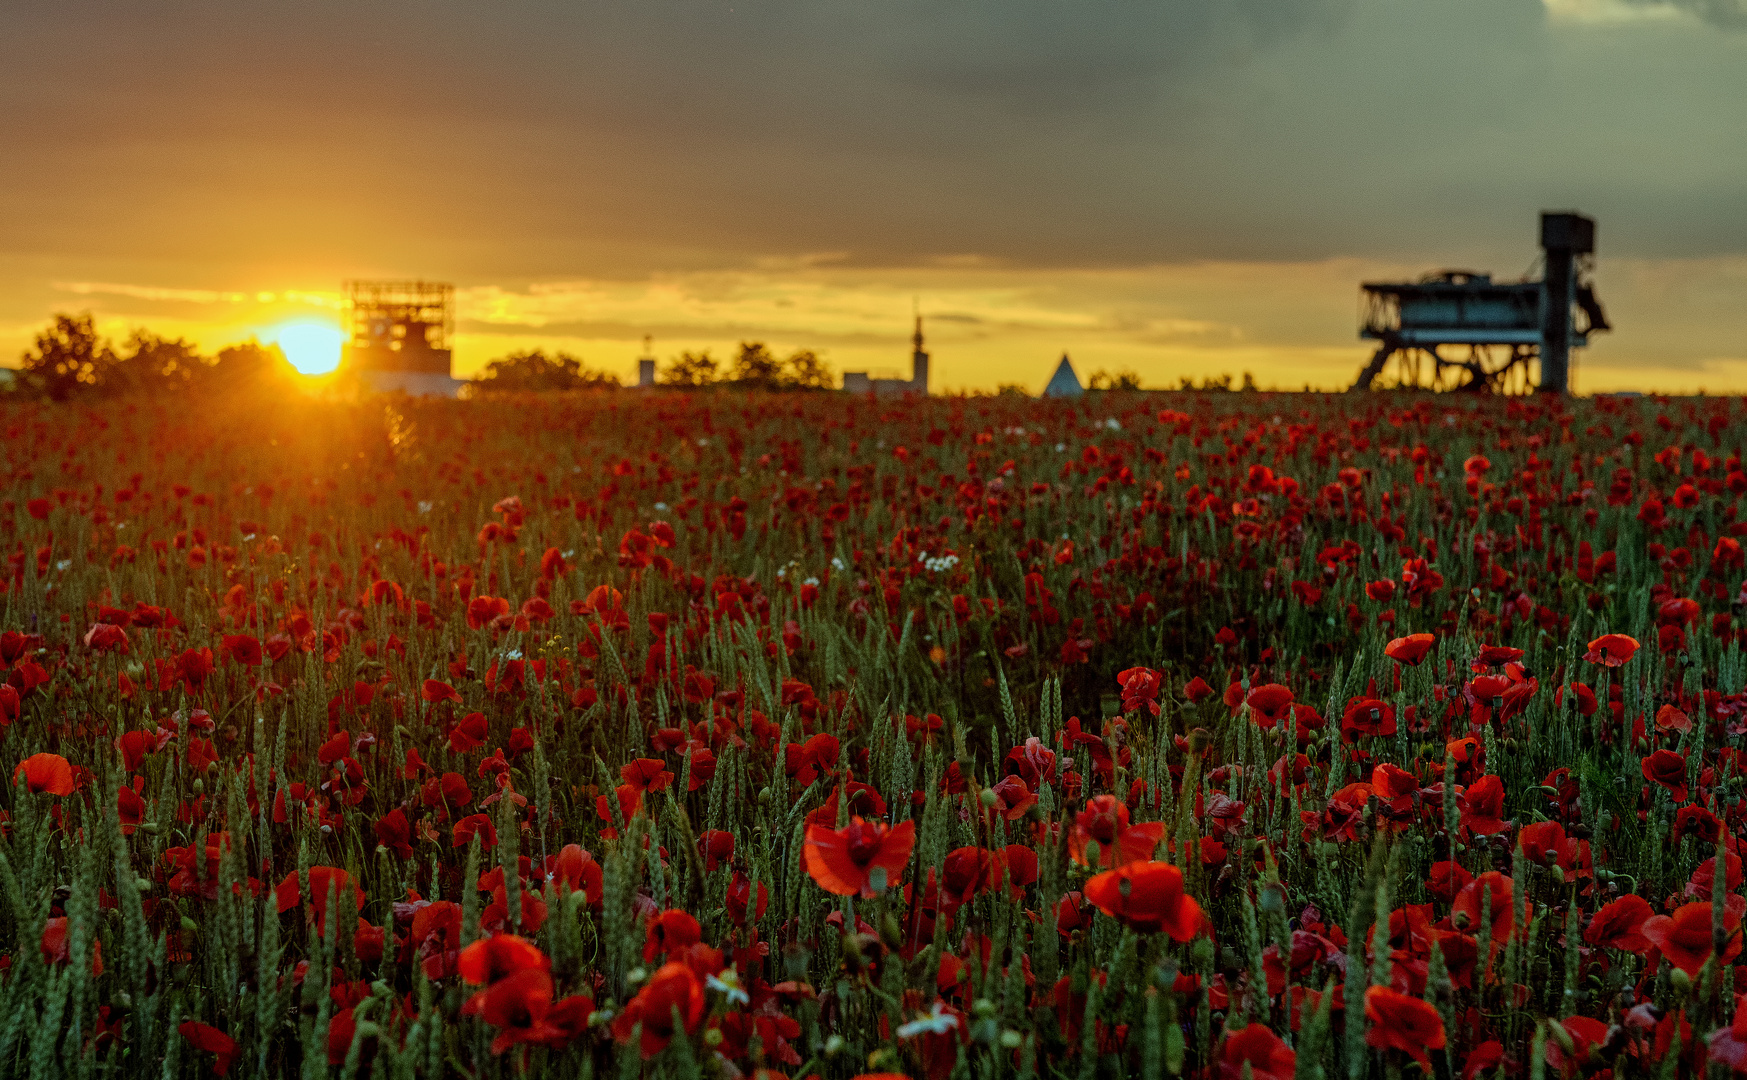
519,140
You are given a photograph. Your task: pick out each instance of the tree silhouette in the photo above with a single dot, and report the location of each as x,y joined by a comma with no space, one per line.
805,371
690,370
535,372
155,364
756,368
247,366
68,358
1121,380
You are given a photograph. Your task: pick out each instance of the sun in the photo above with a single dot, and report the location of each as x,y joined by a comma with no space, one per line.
310,345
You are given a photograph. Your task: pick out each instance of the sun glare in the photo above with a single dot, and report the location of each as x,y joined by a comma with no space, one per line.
312,347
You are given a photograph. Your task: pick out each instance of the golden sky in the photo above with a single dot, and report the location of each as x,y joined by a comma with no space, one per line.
1173,188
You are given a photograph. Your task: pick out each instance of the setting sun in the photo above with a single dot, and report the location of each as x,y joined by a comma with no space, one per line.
311,346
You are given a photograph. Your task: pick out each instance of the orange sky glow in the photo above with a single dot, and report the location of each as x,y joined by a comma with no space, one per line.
1172,190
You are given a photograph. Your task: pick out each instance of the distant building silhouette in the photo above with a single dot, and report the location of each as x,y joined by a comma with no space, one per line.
861,382
1064,383
397,336
646,366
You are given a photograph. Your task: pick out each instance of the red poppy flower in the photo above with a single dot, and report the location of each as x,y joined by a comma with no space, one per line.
1258,1047
805,761
1147,896
968,872
1021,867
646,774
1545,842
434,691
1013,798
675,988
1140,690
842,861
481,610
322,881
1667,768
1410,650
469,734
1620,925
1447,880
45,772
1611,650
1403,1022
241,649
669,932
57,949
577,869
717,848
210,1039
102,637
1685,936
394,833
1366,716
133,747
475,825
130,808
1197,690
1502,917
1482,806
1269,704
334,749
516,1004
1104,821
500,956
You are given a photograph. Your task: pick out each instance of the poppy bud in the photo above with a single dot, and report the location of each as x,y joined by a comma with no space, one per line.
1681,981
764,796
891,931
635,976
989,797
834,1046
713,1037
190,925
199,786
143,884
1011,1040
1199,739
982,1007
1562,1037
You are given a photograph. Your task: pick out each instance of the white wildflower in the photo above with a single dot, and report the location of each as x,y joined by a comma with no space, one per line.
937,1022
728,982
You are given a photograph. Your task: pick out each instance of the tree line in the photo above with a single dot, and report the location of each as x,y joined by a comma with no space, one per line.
754,367
70,359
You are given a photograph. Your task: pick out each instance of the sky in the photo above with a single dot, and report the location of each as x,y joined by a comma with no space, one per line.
1170,187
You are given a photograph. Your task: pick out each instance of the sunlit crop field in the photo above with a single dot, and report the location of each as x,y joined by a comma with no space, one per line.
1220,734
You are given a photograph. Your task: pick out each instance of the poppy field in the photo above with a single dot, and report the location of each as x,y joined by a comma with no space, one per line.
1231,735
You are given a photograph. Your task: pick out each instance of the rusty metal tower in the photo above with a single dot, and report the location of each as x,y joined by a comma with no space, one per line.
399,326
1517,336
